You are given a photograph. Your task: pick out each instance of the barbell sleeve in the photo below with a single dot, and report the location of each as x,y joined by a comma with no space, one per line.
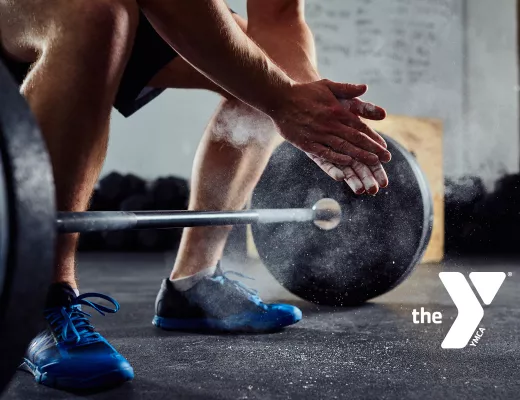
99,221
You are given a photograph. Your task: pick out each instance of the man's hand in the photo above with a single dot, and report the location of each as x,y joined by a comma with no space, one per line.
359,177
323,119
313,119
308,115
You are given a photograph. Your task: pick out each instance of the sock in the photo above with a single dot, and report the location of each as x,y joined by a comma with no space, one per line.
60,294
186,283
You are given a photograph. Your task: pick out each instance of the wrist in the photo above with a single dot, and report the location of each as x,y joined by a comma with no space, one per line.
279,95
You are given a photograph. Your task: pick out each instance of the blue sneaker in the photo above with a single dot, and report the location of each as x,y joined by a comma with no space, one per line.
70,354
220,304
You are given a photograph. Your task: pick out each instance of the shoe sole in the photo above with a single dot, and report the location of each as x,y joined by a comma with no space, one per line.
239,323
107,379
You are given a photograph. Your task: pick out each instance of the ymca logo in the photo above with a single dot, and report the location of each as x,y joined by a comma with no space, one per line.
470,311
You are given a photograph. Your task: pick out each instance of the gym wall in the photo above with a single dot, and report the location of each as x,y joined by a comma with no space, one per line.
475,95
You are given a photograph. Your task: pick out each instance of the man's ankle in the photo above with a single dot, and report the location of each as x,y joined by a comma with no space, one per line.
185,283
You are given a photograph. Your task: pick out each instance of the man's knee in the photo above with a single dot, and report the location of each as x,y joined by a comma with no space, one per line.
113,20
40,24
243,126
97,34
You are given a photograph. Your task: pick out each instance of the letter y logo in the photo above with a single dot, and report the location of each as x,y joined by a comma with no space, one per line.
470,311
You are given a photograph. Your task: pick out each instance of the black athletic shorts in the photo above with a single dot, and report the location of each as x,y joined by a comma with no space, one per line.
150,54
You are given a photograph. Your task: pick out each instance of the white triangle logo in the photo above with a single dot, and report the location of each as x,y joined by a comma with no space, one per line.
487,284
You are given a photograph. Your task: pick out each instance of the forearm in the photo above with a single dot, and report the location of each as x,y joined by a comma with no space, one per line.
205,34
279,27
290,45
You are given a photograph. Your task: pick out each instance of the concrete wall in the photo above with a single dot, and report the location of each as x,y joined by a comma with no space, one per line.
162,138
491,141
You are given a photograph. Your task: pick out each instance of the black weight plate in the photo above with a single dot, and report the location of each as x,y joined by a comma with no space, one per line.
377,244
29,227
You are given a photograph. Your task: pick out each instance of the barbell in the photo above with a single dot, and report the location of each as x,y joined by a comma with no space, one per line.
376,247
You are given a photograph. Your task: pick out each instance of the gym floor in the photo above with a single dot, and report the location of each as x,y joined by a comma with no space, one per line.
371,352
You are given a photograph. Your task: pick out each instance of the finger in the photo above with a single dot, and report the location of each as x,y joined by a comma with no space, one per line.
353,181
328,154
361,141
342,146
355,122
330,169
365,174
379,174
345,90
364,109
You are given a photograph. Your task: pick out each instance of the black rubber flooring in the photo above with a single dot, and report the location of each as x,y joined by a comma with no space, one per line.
370,352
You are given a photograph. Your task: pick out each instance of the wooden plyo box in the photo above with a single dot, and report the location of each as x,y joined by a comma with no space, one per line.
422,137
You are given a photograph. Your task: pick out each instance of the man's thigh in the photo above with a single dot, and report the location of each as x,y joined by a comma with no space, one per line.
20,41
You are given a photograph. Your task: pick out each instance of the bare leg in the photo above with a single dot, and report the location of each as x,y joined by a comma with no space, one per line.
80,50
227,167
239,140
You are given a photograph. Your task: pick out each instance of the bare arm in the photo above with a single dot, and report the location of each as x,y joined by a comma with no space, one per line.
207,36
308,115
